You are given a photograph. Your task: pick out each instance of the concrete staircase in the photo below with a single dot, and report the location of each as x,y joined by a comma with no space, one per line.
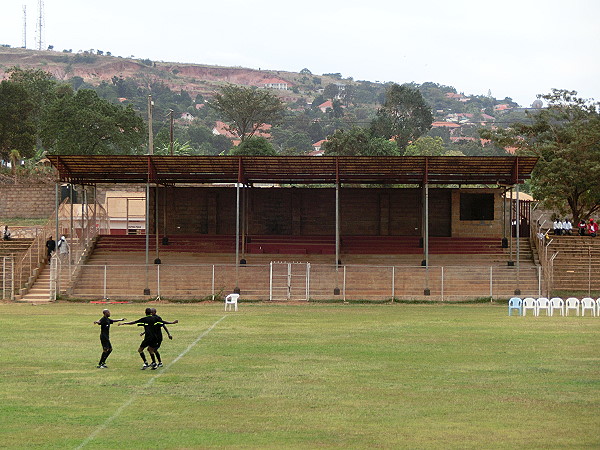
40,290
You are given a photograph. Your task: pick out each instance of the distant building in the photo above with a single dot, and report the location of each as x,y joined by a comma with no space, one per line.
274,83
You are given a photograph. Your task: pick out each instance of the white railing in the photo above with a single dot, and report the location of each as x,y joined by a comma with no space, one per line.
306,281
8,270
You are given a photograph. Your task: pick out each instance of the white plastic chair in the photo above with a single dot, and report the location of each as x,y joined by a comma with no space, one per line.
572,303
543,303
557,303
598,306
231,301
530,303
588,303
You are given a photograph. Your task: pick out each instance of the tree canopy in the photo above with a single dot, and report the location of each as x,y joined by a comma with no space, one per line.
358,142
404,115
247,109
566,138
85,124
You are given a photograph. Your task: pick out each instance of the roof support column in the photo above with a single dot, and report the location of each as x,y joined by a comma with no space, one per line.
425,261
156,229
518,217
336,290
237,226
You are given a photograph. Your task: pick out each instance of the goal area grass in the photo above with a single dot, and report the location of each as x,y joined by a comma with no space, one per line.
301,376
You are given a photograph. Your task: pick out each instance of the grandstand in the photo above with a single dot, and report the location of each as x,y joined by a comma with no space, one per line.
305,228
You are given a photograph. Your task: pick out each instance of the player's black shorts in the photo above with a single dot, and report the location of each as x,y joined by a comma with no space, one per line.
149,343
157,345
105,343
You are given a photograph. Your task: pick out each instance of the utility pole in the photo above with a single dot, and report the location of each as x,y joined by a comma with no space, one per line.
150,134
171,131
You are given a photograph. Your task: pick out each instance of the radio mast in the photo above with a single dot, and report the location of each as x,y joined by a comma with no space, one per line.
24,26
40,25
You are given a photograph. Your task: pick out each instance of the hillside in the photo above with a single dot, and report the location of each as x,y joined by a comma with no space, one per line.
93,69
317,104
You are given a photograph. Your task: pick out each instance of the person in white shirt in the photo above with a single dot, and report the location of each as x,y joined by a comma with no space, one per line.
63,247
567,227
557,227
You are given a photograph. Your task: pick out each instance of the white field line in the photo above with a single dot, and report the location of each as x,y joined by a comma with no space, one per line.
151,381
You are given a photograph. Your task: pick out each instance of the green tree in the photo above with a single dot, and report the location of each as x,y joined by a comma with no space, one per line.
86,124
17,127
403,116
254,146
566,138
246,109
358,142
426,146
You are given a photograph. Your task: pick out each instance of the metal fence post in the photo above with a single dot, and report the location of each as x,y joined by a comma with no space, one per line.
212,282
393,283
491,283
344,284
104,283
271,281
442,281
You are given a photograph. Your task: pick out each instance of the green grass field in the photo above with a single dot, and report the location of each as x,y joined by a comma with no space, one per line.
301,376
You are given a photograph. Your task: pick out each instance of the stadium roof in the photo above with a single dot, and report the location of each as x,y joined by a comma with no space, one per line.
501,170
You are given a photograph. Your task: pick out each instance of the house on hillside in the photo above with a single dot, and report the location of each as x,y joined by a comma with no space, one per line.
186,116
458,97
325,105
317,148
274,83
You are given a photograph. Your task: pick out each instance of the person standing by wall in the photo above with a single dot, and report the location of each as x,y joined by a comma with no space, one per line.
6,234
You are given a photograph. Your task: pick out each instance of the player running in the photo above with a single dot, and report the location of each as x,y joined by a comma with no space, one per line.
105,323
149,341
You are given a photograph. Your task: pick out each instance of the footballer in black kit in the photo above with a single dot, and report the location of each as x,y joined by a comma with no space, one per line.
159,324
105,323
152,336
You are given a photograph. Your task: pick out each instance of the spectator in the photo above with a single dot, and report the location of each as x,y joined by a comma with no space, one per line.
6,234
50,247
582,227
557,227
592,228
63,247
567,227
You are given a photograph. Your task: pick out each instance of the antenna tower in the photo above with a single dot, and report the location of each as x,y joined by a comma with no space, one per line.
40,25
24,26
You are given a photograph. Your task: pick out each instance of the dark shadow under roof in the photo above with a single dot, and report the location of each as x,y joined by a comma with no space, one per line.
503,170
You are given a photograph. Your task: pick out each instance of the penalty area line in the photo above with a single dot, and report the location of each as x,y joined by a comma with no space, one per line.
149,383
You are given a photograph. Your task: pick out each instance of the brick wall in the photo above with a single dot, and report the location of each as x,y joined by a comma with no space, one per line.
29,201
300,211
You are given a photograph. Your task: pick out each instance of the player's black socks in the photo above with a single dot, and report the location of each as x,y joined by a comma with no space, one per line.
153,358
144,358
157,356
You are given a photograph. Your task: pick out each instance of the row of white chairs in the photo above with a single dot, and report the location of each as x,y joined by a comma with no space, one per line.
554,304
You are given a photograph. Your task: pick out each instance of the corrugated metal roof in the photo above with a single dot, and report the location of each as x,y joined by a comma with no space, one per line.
81,169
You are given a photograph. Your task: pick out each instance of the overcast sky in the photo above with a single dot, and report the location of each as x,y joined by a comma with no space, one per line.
512,48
